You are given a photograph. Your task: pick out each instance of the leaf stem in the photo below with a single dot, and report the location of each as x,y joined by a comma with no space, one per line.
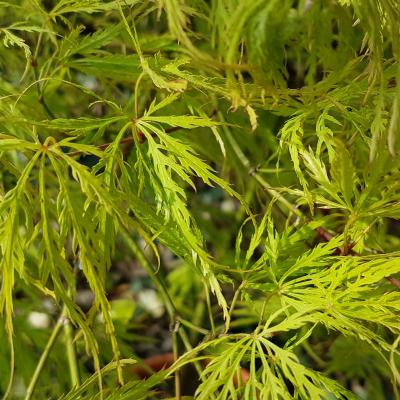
71,354
314,356
43,358
193,326
210,314
34,64
12,366
234,300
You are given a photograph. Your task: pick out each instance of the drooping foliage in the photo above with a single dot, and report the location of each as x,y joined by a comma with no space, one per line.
254,142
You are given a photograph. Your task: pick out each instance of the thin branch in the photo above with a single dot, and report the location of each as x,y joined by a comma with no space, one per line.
178,394
162,288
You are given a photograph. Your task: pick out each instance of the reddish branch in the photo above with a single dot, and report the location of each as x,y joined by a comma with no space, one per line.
394,281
